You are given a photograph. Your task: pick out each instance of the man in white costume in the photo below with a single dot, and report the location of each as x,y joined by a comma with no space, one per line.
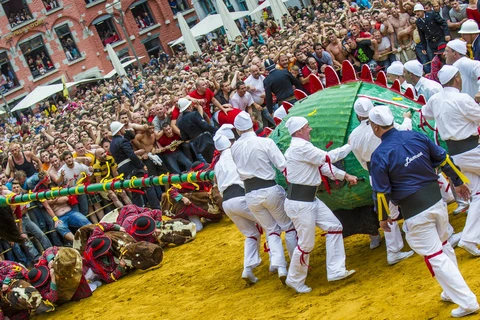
306,210
254,157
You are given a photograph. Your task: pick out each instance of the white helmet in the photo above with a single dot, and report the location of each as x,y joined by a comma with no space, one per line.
183,104
469,27
418,7
116,126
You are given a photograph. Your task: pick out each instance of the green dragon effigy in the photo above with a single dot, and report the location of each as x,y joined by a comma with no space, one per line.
331,115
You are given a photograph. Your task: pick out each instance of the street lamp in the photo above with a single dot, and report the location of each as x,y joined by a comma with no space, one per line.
118,6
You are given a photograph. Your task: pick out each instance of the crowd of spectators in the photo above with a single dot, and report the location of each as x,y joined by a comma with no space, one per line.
181,99
19,17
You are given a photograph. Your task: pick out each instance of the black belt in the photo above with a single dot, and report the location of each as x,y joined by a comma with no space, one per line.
368,166
421,200
257,183
461,146
233,191
300,192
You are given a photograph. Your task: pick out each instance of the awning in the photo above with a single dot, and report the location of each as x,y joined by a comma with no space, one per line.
101,19
113,72
262,6
133,5
210,23
43,92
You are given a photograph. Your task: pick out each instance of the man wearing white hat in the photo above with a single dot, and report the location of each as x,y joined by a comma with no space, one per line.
432,29
455,54
364,143
306,210
254,157
457,117
469,32
413,73
130,164
235,206
394,72
403,171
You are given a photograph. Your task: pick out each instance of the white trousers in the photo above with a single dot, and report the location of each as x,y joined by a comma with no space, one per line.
237,210
427,234
445,189
266,206
470,166
305,216
393,239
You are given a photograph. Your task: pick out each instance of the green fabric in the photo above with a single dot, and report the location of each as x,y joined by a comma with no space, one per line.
332,118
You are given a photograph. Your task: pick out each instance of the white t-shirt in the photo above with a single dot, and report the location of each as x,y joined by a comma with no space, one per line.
241,102
384,45
258,85
72,175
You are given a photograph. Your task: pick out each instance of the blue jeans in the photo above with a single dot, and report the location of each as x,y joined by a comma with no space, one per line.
174,159
33,229
71,218
424,58
83,204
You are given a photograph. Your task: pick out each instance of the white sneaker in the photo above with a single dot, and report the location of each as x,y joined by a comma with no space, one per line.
272,269
469,247
444,297
454,239
249,277
374,241
460,312
98,283
393,258
282,274
348,273
463,206
299,289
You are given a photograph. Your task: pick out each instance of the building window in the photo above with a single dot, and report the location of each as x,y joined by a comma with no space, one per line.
8,79
208,6
242,5
51,4
106,29
17,12
153,47
178,5
36,55
142,14
92,1
68,44
229,6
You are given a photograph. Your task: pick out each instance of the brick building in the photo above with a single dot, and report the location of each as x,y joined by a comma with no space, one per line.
43,40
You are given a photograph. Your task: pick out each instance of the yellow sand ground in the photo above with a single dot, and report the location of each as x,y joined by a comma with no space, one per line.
202,280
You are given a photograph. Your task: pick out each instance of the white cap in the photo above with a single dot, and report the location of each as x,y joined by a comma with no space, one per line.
418,7
362,107
415,67
447,73
381,115
458,46
243,121
226,130
221,142
116,126
295,123
396,68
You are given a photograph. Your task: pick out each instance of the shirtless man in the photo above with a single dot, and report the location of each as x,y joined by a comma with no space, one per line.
67,216
147,140
336,50
403,31
125,119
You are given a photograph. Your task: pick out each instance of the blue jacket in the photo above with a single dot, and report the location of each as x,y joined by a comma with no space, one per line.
121,149
404,163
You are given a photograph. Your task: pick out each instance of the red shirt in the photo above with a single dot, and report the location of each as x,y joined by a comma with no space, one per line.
208,96
175,113
305,73
166,141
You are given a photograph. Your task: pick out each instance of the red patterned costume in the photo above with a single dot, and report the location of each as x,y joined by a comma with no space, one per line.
9,271
128,215
104,266
49,290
